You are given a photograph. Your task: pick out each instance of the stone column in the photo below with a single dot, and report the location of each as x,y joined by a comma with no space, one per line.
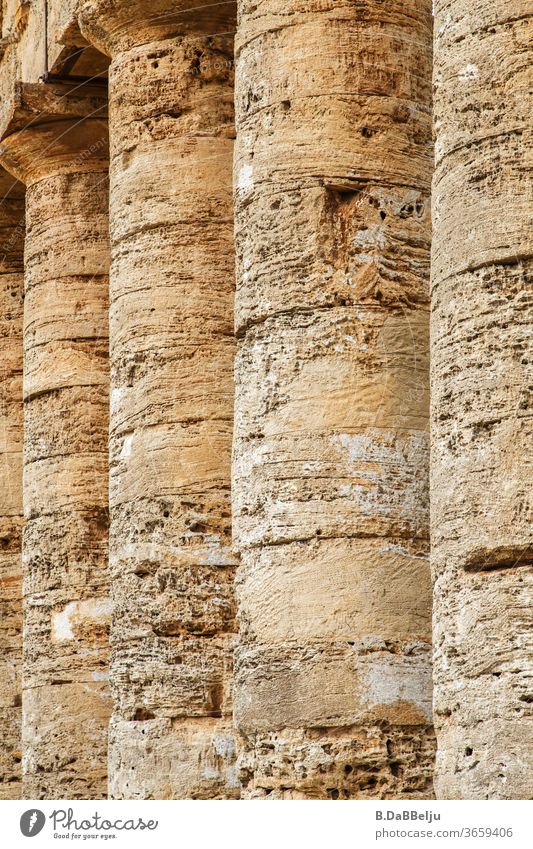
66,703
11,297
482,434
332,174
171,350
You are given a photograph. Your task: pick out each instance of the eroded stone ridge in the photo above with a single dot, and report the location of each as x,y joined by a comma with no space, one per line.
172,349
11,420
482,436
330,500
66,704
268,612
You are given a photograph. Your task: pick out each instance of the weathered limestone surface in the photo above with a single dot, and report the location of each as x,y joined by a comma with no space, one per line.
66,702
327,561
22,46
11,297
171,349
332,173
40,38
482,436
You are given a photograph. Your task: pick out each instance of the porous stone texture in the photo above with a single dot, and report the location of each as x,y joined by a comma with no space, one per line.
66,701
171,349
331,696
330,501
23,44
482,436
11,298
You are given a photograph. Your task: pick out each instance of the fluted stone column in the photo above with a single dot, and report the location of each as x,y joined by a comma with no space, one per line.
482,434
66,702
171,349
11,297
332,176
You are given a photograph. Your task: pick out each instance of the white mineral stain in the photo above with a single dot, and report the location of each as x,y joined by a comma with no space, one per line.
127,447
355,341
97,610
388,681
116,395
364,259
224,746
246,178
404,552
212,554
469,72
371,237
357,446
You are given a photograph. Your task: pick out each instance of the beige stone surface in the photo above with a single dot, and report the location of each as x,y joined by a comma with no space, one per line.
23,53
482,437
330,501
11,418
172,349
66,700
214,510
41,39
